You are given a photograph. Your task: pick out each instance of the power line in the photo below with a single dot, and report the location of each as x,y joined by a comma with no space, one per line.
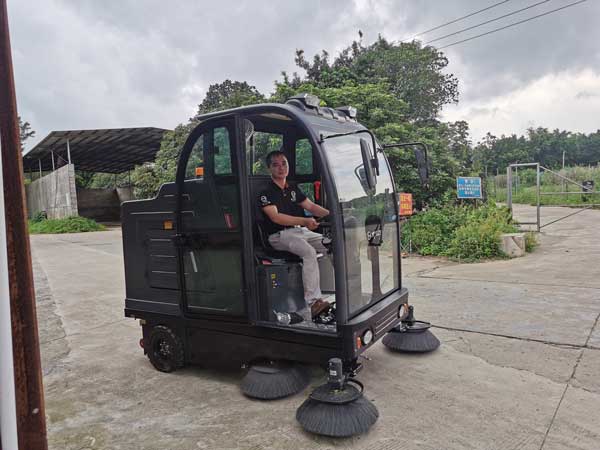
512,24
455,20
487,21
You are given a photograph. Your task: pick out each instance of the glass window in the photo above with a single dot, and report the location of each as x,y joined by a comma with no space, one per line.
369,215
195,165
217,143
257,148
308,189
304,157
222,151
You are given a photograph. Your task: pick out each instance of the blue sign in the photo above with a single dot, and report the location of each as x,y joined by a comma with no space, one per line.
468,187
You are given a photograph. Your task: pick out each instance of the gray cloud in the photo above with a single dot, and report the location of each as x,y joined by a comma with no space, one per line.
90,64
586,95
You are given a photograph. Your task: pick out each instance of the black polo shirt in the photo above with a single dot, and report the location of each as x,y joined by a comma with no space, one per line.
287,201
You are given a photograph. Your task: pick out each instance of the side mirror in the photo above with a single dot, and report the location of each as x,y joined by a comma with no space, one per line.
420,150
369,174
422,164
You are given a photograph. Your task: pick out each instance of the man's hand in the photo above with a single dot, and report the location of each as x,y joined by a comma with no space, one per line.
313,208
311,223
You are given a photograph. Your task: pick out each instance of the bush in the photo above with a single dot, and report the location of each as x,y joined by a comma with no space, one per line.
459,232
531,241
73,224
39,216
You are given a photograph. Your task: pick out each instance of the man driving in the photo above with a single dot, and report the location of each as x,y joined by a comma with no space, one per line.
290,230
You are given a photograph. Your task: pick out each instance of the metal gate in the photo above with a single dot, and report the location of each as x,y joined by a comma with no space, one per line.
586,191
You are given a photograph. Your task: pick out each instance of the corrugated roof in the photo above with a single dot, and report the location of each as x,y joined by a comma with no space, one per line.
113,150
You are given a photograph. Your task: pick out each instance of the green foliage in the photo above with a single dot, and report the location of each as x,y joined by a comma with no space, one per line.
375,103
415,74
148,177
98,180
525,190
84,179
537,145
229,94
25,132
39,216
460,232
531,241
74,224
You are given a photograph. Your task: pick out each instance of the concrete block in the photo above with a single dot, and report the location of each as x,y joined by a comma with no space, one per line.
513,244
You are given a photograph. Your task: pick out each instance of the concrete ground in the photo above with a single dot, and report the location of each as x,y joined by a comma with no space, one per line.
518,366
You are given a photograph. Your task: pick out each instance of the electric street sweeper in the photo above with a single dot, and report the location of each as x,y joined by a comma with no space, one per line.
209,289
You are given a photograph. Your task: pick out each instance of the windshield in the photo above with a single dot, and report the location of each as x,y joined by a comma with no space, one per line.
369,220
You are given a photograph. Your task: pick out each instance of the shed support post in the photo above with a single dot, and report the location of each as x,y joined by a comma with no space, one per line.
68,152
509,188
538,195
52,154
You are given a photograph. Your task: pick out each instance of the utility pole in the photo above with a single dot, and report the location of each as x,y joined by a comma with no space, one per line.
28,408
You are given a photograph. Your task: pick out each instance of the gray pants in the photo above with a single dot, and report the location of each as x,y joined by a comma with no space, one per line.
306,244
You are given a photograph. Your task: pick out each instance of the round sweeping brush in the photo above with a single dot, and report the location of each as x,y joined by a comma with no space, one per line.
338,408
274,379
414,337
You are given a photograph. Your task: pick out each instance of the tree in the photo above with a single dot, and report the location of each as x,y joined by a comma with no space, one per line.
25,132
375,104
413,73
537,145
148,177
459,146
229,94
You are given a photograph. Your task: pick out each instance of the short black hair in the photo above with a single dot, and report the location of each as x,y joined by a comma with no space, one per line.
273,154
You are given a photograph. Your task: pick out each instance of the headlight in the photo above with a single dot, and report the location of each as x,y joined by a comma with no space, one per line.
367,337
403,311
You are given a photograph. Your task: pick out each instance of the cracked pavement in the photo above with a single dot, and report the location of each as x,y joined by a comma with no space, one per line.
518,366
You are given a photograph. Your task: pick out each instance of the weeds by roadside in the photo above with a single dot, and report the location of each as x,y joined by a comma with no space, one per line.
75,224
460,232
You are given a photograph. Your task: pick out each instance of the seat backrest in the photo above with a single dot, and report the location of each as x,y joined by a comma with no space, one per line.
258,185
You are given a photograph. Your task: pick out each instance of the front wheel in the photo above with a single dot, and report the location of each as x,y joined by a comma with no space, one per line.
166,349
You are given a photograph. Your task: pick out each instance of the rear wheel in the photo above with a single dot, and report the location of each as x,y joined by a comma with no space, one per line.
166,349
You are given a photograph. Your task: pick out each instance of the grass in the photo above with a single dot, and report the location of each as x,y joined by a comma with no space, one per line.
74,224
528,196
531,241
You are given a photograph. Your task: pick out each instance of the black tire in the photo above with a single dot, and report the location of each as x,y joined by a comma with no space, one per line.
165,350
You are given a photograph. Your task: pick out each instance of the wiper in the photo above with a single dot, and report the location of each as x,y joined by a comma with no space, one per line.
322,137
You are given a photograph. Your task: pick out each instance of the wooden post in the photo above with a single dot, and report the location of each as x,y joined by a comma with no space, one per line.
29,398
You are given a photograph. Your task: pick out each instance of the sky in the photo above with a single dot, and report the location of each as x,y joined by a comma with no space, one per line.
82,64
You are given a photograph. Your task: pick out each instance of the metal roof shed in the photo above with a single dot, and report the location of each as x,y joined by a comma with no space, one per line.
60,153
113,150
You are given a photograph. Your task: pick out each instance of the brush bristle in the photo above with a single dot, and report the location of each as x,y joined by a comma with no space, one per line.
276,382
337,420
421,342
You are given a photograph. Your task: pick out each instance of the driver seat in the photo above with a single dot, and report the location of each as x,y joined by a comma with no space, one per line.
266,248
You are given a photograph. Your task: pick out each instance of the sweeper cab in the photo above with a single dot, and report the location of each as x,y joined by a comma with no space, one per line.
208,288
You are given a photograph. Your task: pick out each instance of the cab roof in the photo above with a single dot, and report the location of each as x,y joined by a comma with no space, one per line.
319,118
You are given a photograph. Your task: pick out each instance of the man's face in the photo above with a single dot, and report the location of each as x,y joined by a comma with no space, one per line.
279,167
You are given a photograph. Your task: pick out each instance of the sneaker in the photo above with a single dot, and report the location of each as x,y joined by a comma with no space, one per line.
318,306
